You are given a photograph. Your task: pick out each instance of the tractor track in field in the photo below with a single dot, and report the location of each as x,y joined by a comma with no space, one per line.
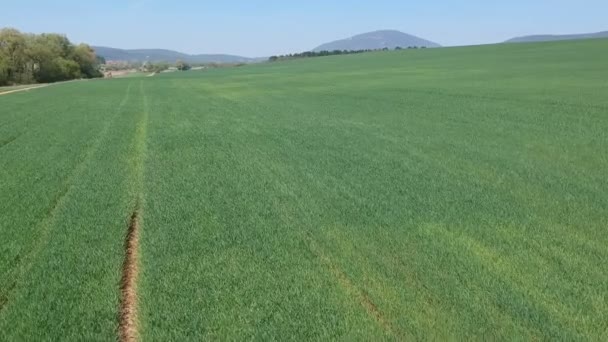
24,263
12,121
3,301
353,290
7,141
128,282
128,311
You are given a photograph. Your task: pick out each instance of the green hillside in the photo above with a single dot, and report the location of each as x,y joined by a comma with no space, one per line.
437,194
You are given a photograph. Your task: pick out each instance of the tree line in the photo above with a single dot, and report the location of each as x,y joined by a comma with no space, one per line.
309,54
43,58
162,66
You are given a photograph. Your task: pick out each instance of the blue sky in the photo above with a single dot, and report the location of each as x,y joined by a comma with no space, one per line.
263,28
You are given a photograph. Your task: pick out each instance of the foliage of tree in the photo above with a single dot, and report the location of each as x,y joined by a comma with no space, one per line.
123,65
100,60
182,66
4,69
85,56
27,58
309,54
12,55
156,67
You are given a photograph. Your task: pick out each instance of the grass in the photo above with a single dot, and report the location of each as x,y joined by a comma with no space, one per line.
65,199
434,194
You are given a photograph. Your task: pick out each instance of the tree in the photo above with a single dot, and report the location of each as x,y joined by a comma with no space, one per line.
308,54
398,48
3,71
157,67
12,54
85,56
49,55
69,69
182,66
100,60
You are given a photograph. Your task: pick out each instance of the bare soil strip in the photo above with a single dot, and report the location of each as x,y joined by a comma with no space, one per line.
361,296
128,320
22,89
128,284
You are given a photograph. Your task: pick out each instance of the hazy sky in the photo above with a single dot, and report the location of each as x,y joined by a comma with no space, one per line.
263,28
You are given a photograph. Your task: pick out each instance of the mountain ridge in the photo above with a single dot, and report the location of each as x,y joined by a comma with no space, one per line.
166,55
557,37
376,40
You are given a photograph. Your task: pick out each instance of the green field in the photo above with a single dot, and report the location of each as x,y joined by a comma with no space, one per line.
456,193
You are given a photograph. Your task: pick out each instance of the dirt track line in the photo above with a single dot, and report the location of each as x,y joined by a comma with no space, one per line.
41,86
128,320
361,296
128,283
7,141
23,89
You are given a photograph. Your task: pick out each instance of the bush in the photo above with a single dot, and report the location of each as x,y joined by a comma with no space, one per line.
182,66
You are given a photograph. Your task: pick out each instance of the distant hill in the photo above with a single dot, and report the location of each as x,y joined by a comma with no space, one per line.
160,55
549,37
377,40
